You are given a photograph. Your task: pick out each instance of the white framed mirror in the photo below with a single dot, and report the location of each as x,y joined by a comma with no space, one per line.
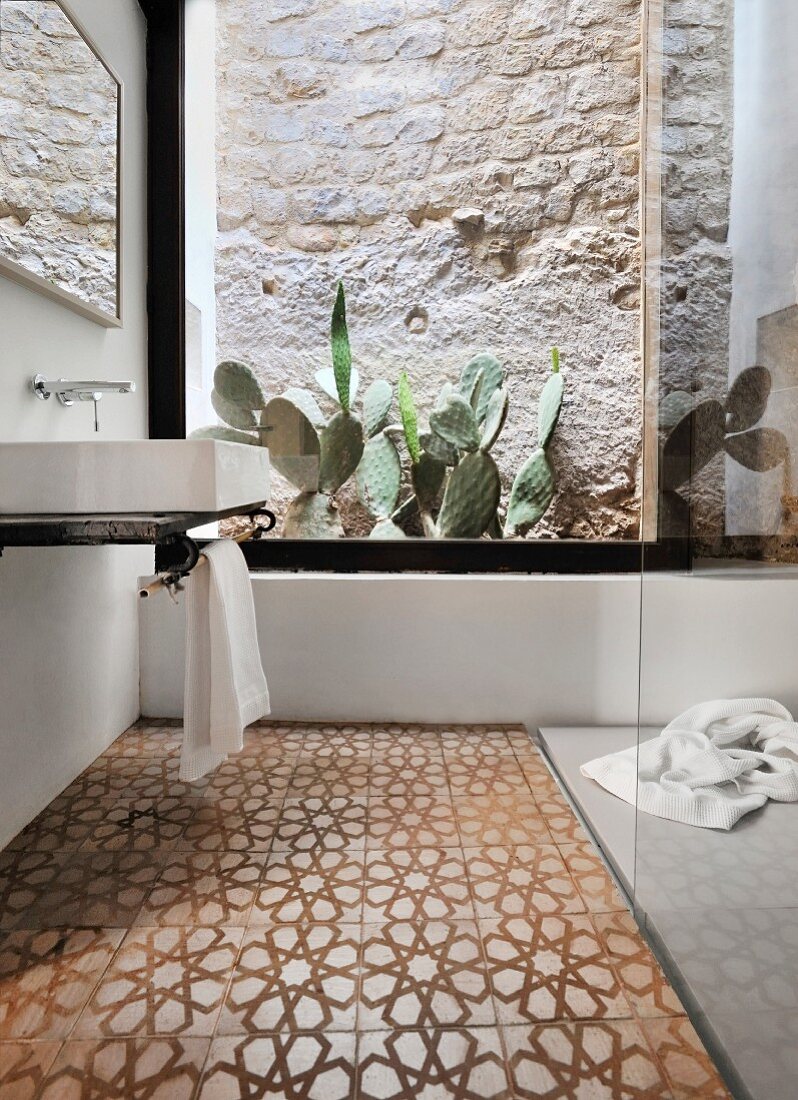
60,143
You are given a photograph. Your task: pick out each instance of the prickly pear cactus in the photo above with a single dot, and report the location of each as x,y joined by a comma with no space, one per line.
427,476
530,495
456,423
471,498
237,385
377,402
495,417
386,529
492,377
341,451
237,399
312,516
293,442
224,435
550,401
379,476
407,411
438,448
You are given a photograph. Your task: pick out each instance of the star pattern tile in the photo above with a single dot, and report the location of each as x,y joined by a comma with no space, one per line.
378,912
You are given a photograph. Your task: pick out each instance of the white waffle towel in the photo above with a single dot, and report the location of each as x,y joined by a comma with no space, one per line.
225,687
710,766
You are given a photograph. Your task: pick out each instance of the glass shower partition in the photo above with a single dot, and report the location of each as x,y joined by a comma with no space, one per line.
718,898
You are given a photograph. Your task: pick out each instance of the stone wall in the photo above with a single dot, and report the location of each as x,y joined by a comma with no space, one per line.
469,168
58,163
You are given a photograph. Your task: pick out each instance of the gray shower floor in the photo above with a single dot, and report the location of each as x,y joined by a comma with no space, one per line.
723,906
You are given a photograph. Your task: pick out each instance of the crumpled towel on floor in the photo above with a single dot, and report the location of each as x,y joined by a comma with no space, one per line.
710,766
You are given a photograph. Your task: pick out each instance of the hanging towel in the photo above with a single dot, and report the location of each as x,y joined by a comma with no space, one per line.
225,688
710,766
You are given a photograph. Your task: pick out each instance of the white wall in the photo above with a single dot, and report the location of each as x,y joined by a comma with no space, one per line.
200,208
539,650
68,617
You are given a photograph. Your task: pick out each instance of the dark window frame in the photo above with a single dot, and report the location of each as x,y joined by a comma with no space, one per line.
167,375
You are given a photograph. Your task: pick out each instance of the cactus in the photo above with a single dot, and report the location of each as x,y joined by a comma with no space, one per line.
379,476
471,498
293,442
376,406
455,483
456,423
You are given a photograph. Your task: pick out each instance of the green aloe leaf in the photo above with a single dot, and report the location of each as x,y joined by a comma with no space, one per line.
456,422
341,451
236,383
409,417
531,493
471,498
379,476
377,406
341,352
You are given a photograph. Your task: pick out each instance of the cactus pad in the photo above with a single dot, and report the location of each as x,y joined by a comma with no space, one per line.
379,476
312,516
471,498
294,447
427,476
549,407
341,352
376,406
237,416
439,448
236,383
492,378
456,423
341,451
531,493
494,419
224,435
386,529
306,403
325,379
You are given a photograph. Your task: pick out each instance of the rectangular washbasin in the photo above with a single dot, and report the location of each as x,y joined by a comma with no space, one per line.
149,476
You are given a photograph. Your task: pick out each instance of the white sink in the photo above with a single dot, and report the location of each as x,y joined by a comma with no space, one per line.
134,476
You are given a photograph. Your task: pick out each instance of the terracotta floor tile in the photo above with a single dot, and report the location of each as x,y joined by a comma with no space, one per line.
337,824
416,884
282,1067
64,826
22,1068
231,824
562,822
488,776
148,739
645,985
388,738
538,776
590,876
163,981
423,974
274,740
310,887
294,978
475,750
123,777
690,1071
321,778
203,888
516,881
250,777
412,823
47,977
141,825
338,744
416,754
501,819
112,1069
522,743
82,889
460,1064
603,1060
390,777
550,968
456,736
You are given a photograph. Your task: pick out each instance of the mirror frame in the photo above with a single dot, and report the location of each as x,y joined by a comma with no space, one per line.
19,274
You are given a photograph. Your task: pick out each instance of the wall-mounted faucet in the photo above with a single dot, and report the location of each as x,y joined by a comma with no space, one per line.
69,392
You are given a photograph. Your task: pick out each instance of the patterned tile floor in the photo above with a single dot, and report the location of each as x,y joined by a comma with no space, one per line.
388,913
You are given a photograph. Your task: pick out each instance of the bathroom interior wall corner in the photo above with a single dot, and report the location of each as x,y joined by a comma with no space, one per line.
68,617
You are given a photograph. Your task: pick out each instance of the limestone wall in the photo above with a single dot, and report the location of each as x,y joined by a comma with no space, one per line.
58,161
469,168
